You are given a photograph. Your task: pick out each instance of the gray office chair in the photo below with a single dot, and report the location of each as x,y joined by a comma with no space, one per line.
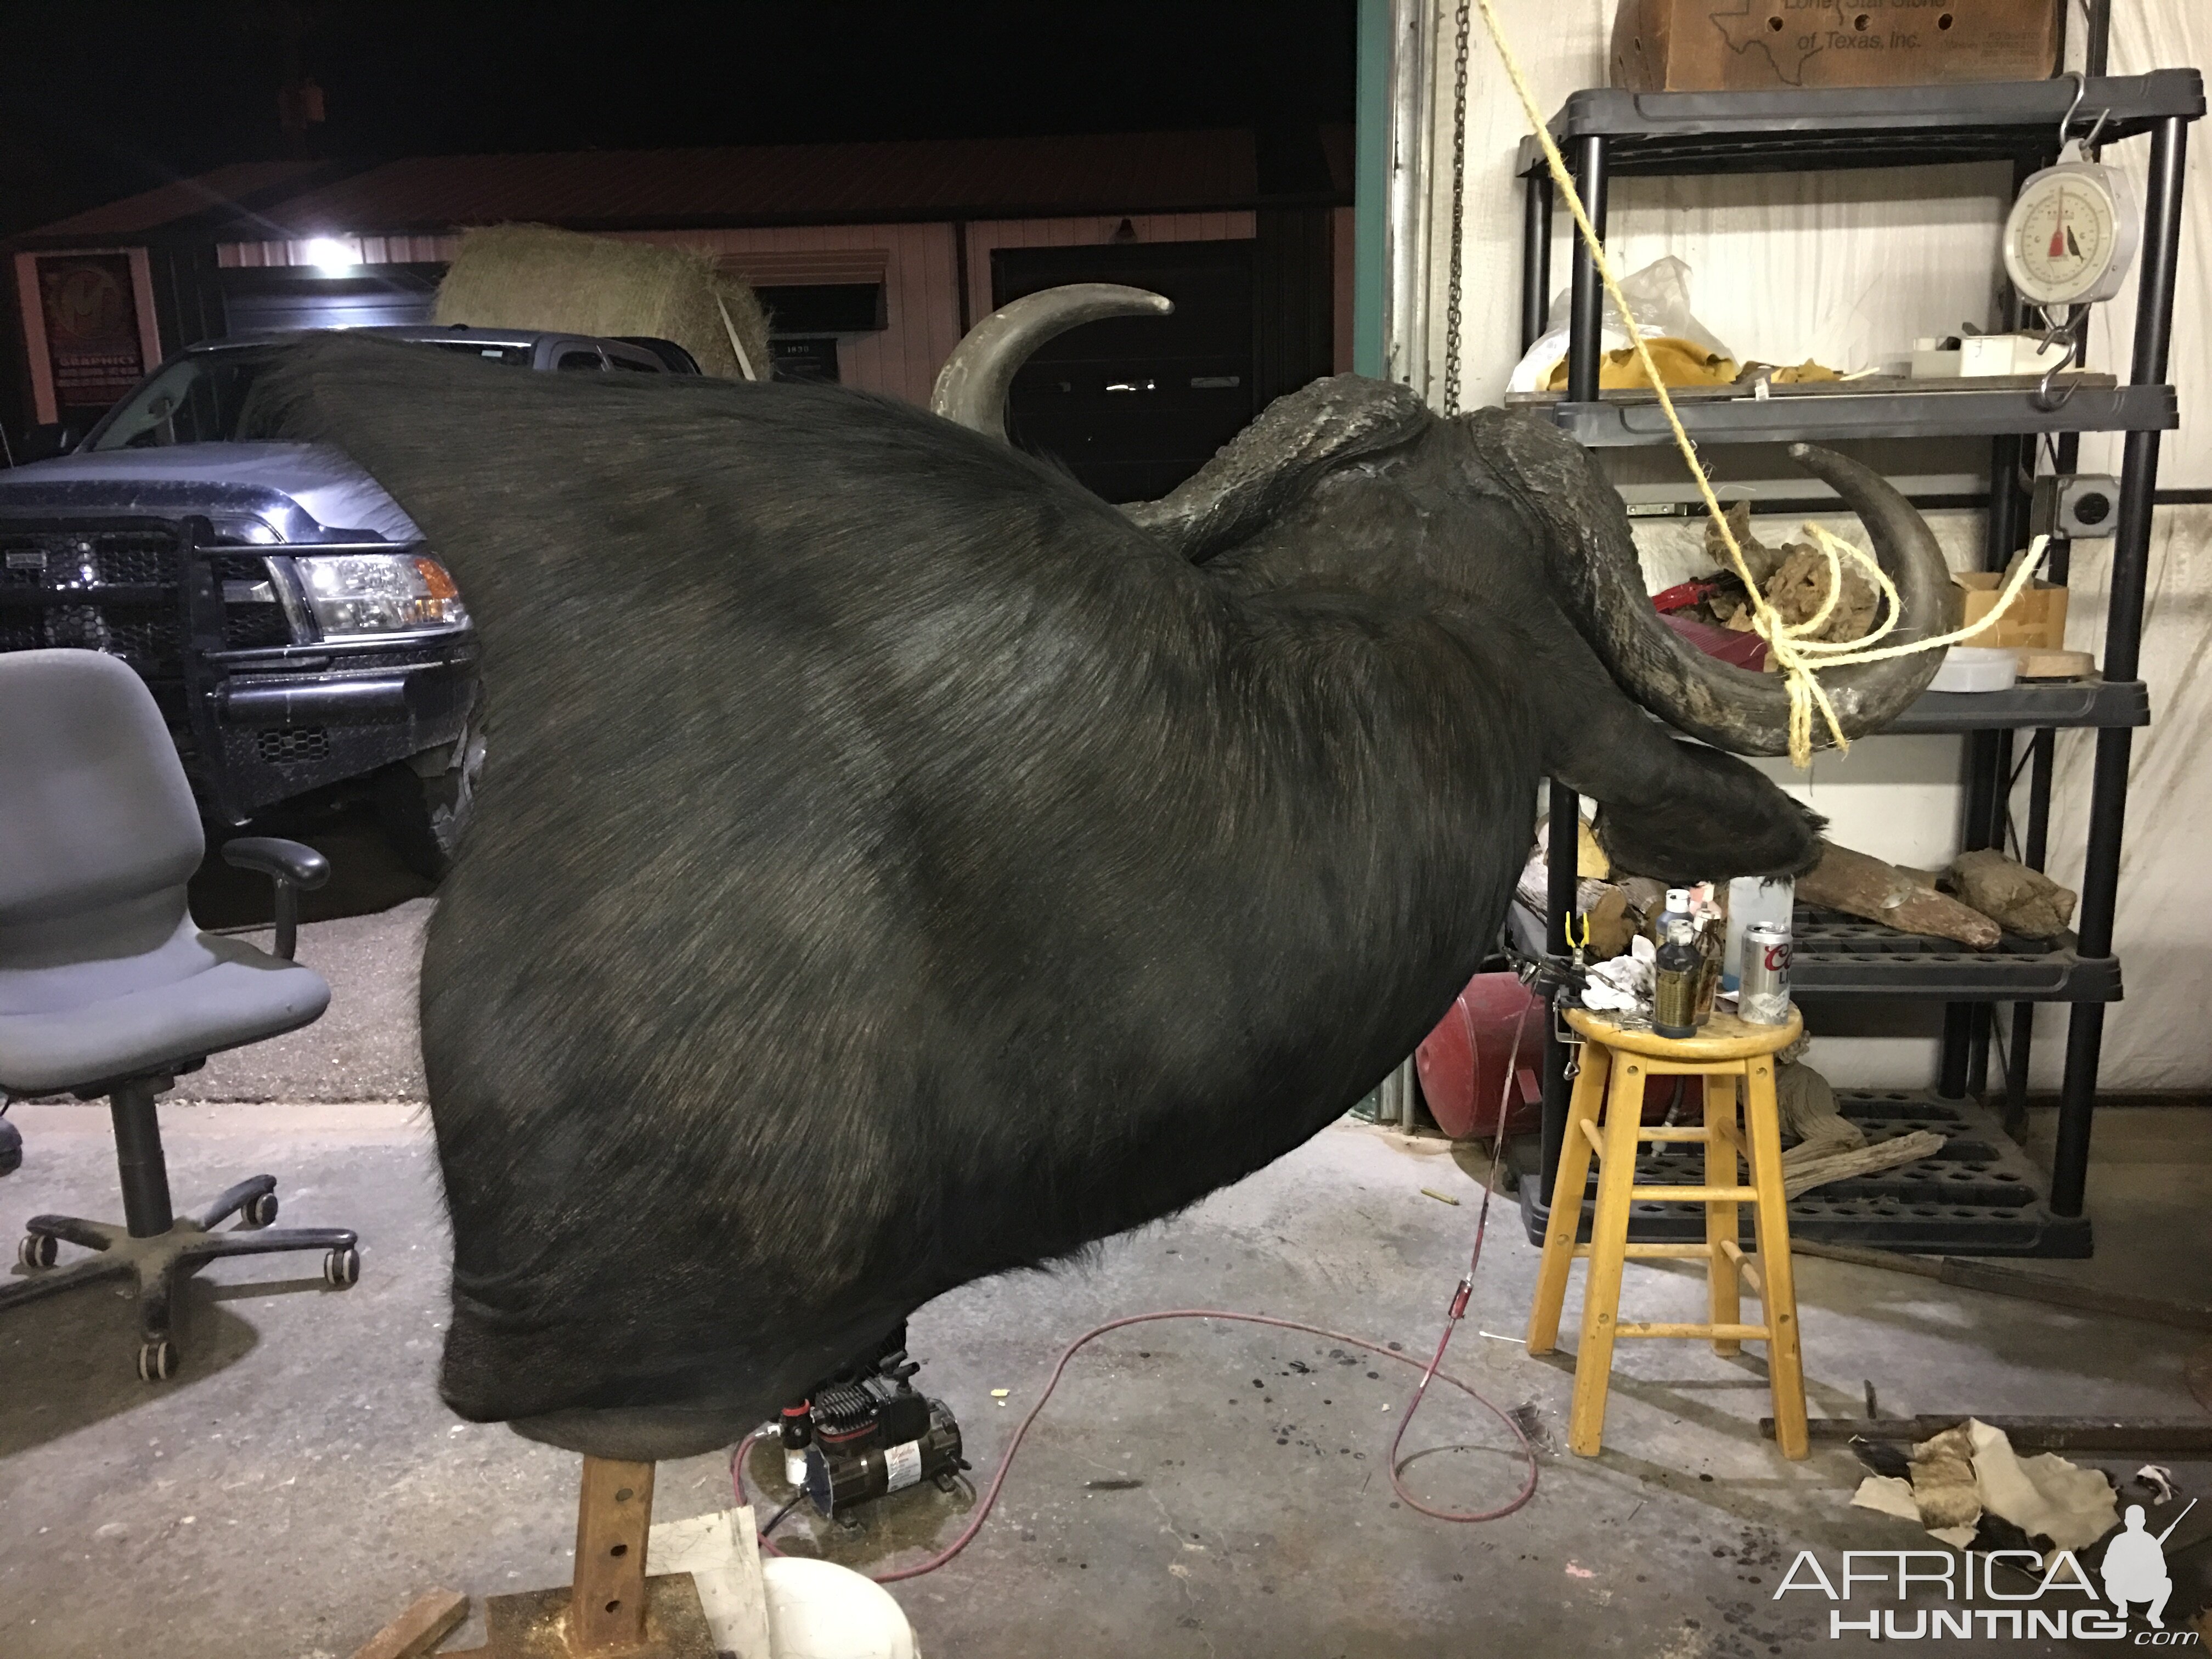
107,986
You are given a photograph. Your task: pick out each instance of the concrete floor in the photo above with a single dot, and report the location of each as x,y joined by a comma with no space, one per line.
300,1481
1192,1489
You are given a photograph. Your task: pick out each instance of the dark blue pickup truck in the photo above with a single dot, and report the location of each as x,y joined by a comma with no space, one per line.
301,639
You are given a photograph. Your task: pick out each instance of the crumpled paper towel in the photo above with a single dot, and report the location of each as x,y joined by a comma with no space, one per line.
1623,985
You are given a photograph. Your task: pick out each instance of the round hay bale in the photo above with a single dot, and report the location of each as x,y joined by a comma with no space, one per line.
536,276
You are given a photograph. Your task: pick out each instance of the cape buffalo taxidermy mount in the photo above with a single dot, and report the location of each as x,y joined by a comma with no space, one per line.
895,866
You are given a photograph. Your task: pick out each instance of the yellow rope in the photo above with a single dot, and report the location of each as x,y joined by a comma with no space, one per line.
1790,646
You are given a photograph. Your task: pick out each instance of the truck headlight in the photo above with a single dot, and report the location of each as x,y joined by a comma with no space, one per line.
355,595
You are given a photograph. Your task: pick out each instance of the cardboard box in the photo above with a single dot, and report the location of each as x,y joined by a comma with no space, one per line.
1703,46
2037,621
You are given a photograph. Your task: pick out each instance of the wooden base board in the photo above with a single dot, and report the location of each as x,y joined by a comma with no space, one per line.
534,1626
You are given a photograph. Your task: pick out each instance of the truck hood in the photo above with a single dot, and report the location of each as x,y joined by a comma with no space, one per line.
305,492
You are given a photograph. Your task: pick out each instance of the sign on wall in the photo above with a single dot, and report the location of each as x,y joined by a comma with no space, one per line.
88,321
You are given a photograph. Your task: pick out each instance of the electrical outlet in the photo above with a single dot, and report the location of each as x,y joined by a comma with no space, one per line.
2075,506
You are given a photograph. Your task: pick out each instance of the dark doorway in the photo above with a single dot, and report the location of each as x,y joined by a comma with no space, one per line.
1133,406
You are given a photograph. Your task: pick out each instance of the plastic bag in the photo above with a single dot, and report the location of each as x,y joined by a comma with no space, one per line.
1659,295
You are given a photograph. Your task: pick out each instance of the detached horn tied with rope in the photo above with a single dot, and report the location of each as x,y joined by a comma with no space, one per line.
1797,655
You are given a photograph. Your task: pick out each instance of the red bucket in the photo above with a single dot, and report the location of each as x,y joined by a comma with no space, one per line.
1464,1061
1463,1065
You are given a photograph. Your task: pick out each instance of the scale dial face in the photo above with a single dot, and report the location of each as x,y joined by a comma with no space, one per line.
2071,236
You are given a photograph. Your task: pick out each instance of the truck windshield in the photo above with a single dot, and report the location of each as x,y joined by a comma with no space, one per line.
197,399
201,398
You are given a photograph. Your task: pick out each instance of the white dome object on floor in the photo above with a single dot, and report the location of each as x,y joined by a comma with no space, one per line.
818,1610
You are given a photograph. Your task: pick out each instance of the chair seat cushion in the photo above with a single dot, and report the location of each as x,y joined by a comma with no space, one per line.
234,994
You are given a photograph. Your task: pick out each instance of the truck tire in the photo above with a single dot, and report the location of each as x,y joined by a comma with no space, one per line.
424,815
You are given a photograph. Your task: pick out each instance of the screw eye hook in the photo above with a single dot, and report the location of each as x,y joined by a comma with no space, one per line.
2042,396
2080,89
2072,331
2066,121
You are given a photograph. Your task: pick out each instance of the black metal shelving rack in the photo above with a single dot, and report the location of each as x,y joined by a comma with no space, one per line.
1981,1198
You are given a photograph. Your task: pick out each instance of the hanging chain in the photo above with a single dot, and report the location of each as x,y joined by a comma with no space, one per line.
1458,213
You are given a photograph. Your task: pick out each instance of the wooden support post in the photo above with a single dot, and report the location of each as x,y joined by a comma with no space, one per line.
606,1597
608,1610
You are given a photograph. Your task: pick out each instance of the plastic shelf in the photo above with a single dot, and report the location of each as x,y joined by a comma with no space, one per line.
1638,422
2027,706
1791,130
1835,955
1979,1195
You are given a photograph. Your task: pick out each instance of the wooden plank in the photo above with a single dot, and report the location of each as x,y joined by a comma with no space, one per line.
1734,1333
2180,1437
721,1552
434,1616
614,1520
2000,1278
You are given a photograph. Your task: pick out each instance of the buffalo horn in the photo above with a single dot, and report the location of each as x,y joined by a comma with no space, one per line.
971,387
1749,712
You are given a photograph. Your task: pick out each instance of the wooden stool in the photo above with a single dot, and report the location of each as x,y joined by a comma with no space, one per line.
1724,1050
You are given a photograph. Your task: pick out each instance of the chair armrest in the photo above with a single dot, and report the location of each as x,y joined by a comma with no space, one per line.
292,867
278,859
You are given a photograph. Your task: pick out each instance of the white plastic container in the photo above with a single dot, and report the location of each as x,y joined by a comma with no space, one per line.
1752,899
818,1610
1976,668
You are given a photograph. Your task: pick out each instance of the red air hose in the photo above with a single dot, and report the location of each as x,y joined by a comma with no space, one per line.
1430,1373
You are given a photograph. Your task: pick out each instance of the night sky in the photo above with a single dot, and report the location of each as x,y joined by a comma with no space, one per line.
100,99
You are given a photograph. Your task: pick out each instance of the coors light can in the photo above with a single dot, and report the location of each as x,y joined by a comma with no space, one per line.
1763,998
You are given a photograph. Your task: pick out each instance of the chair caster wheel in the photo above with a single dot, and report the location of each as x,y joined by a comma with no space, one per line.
35,1251
157,1361
260,1212
341,1268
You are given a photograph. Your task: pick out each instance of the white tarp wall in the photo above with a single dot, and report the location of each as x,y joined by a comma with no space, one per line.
1849,267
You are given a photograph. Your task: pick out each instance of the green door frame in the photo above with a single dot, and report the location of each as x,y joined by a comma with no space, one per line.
1371,199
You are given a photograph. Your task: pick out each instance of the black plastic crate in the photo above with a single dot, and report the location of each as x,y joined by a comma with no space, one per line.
1980,1195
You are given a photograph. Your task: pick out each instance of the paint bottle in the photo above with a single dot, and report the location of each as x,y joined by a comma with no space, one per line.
1674,979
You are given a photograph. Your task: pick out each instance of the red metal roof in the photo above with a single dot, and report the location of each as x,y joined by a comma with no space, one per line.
178,200
812,184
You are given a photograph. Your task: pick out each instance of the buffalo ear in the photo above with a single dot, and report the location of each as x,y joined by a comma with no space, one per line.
1271,464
